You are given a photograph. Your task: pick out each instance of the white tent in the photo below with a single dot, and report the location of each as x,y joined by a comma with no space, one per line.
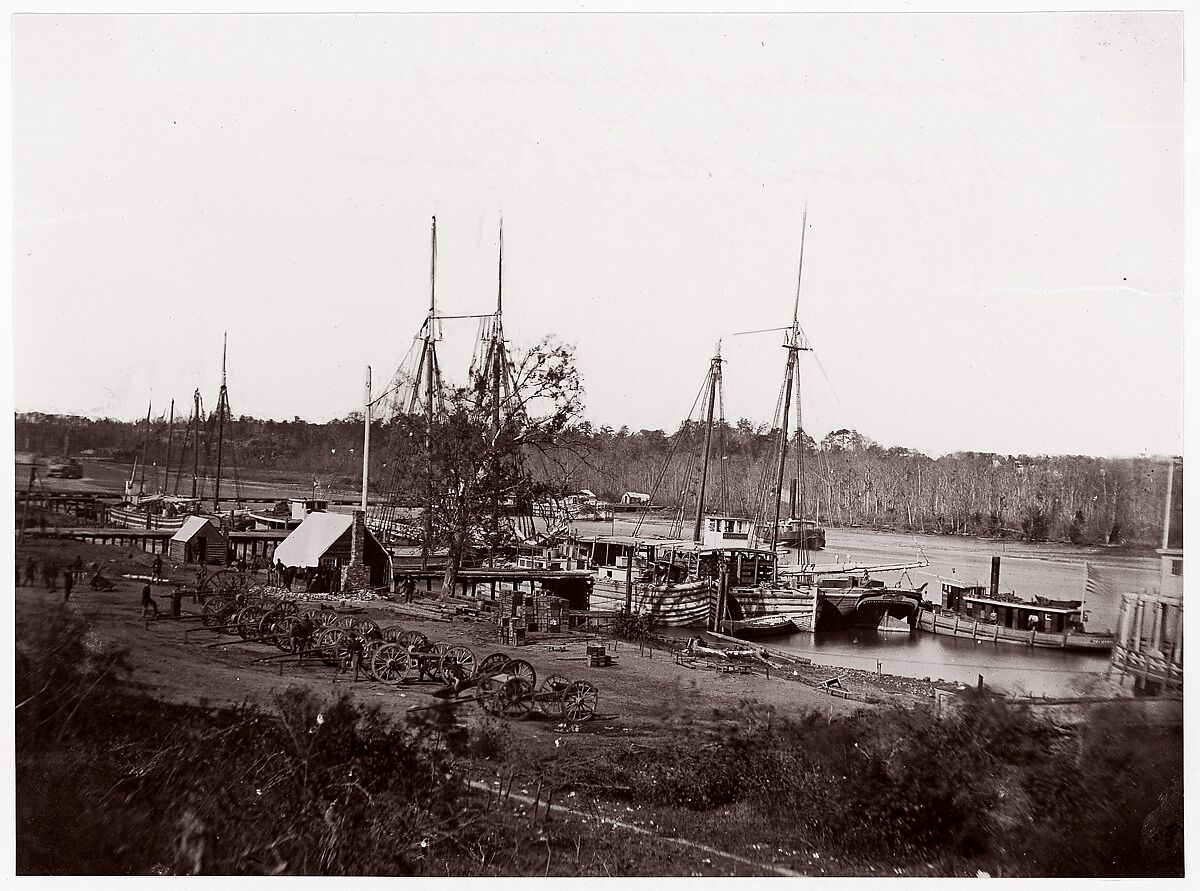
312,538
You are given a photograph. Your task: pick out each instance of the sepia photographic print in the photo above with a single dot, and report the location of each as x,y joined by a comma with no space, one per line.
598,443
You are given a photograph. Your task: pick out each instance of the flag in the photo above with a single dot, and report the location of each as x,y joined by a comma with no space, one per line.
1097,585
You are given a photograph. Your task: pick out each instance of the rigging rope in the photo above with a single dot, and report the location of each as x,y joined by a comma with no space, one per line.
670,454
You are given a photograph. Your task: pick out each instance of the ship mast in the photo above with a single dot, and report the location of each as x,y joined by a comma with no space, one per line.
195,441
497,348
222,408
793,346
714,378
366,438
167,461
428,359
145,448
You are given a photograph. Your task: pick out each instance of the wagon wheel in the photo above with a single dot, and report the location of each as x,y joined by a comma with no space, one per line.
235,619
492,664
248,622
214,612
332,643
365,628
314,614
217,583
287,607
369,648
432,667
579,701
521,669
265,629
489,694
552,688
391,664
456,664
414,641
515,698
282,637
325,618
392,633
347,622
224,582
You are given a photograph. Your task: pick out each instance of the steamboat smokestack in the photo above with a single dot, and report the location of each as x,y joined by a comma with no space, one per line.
995,589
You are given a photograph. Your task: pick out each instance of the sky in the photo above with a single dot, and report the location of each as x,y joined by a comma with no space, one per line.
993,257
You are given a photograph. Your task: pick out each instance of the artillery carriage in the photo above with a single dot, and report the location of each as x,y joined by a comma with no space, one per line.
503,686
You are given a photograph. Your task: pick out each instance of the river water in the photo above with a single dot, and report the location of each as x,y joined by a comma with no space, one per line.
1052,570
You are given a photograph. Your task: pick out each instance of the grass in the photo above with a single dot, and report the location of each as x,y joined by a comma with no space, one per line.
111,782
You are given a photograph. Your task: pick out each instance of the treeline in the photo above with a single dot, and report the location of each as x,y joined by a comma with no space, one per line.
848,479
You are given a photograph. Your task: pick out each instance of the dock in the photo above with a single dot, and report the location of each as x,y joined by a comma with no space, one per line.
571,584
243,544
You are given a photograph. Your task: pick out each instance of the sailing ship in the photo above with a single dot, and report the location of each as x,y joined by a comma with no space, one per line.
981,612
841,596
168,509
680,582
722,577
735,563
155,510
416,392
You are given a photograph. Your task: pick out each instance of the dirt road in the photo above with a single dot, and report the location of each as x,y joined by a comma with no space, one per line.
642,694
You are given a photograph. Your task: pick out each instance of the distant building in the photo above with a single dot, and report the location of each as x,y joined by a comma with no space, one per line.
1149,645
339,545
198,541
635,498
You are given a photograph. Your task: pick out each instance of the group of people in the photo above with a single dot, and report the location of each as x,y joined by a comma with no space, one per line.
314,579
50,574
311,579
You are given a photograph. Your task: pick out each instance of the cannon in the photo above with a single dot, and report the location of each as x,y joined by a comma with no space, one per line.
412,656
509,691
257,621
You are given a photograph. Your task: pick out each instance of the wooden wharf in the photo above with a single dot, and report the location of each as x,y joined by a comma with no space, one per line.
246,544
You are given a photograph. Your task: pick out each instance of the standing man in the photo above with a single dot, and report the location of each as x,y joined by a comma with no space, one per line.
31,568
302,634
148,602
68,582
354,655
157,567
410,586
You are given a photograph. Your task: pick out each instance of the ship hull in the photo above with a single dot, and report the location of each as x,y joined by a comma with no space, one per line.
135,519
809,539
865,609
685,605
763,628
796,605
954,625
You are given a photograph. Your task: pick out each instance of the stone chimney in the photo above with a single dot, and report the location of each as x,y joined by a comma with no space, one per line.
356,574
